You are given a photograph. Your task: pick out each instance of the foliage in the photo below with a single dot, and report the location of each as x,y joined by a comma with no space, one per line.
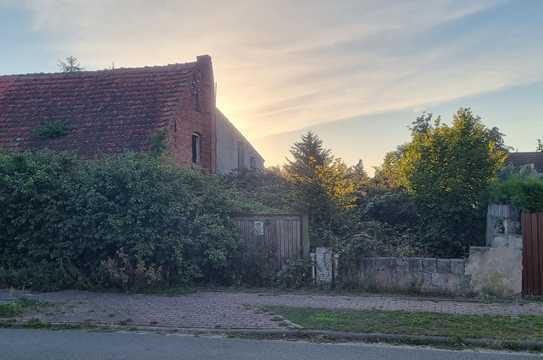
18,307
539,145
129,222
447,170
392,207
376,238
388,174
157,143
259,191
69,65
52,129
324,189
525,193
360,180
295,274
257,265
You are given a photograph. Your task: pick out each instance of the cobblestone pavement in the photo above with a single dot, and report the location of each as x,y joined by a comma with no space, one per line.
213,309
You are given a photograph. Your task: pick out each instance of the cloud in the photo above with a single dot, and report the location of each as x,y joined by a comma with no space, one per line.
284,65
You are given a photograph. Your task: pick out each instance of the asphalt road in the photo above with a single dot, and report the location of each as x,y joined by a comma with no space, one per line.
84,345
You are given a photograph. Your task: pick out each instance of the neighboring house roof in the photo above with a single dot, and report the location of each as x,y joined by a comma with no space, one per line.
105,111
527,158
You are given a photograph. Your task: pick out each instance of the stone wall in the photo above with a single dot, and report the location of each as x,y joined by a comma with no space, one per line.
422,275
495,270
492,270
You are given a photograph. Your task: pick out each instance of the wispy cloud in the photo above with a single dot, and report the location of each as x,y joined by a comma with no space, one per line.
284,65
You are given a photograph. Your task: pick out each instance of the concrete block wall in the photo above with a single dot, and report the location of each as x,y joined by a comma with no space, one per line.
492,270
424,275
495,270
503,227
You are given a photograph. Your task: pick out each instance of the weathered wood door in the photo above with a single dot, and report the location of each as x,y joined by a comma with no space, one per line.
285,235
532,254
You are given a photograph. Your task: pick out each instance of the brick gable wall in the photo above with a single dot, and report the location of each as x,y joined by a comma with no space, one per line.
200,119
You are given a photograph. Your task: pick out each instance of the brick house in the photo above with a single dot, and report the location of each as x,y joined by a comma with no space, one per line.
111,111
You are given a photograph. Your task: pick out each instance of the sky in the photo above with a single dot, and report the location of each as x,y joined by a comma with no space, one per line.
356,72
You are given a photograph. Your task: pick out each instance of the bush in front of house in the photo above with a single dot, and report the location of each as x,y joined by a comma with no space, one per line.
522,192
131,222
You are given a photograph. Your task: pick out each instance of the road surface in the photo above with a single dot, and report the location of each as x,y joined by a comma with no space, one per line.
16,344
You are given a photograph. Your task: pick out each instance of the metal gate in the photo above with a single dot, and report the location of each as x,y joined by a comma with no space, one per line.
532,254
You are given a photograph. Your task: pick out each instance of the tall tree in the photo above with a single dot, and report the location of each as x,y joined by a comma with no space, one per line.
447,170
323,187
358,172
70,64
359,179
308,155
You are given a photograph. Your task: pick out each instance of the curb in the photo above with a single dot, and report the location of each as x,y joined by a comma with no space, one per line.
305,334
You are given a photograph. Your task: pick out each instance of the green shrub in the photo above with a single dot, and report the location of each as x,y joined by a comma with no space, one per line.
52,129
259,191
129,222
295,274
525,193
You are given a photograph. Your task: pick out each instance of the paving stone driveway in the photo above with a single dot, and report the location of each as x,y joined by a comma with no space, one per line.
236,310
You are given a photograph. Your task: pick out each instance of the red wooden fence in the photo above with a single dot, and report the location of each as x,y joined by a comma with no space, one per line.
532,254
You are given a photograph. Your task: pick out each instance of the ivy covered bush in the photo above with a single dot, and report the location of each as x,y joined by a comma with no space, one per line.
130,222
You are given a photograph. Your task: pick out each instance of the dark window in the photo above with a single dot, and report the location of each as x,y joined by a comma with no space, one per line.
196,148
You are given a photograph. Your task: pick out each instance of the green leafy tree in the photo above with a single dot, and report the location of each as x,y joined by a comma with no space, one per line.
447,170
388,174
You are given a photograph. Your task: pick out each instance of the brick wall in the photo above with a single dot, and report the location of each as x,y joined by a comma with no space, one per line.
199,119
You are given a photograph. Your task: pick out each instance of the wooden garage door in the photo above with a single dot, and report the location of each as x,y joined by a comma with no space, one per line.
532,254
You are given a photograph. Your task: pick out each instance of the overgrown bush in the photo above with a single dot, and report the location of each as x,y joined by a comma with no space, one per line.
295,274
375,238
257,265
130,222
258,191
525,193
393,207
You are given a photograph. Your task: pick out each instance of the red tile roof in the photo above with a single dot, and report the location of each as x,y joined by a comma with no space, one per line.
105,111
527,158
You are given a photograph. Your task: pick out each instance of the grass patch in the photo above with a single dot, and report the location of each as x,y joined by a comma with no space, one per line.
503,328
38,324
18,307
174,291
